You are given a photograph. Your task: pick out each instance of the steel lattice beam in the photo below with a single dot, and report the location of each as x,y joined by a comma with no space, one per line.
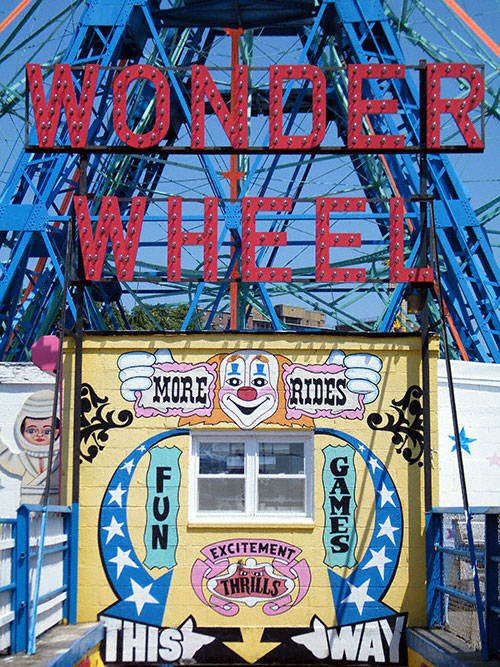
331,34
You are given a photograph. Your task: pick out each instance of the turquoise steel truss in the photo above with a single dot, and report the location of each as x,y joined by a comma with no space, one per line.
36,199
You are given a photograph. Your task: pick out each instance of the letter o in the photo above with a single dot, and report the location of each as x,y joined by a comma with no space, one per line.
120,85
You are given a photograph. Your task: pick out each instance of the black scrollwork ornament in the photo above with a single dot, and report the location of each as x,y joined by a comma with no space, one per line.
407,427
96,420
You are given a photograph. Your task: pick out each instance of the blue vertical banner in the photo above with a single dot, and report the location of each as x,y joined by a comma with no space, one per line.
339,484
358,596
141,596
162,506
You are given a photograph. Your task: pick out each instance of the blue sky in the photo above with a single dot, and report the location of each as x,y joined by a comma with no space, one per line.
479,173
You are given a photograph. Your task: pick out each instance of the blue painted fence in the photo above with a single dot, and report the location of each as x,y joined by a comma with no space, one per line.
451,602
19,551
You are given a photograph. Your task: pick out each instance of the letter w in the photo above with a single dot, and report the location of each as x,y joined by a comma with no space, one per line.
62,94
344,641
109,226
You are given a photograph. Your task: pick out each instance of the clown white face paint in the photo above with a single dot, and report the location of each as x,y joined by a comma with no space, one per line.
249,387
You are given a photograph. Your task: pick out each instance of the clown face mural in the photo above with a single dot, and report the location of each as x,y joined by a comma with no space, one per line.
249,387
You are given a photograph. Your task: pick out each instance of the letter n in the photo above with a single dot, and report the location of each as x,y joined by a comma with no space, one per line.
159,536
109,226
62,94
234,122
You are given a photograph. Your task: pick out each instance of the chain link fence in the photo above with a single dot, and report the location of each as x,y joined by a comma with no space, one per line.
460,612
452,600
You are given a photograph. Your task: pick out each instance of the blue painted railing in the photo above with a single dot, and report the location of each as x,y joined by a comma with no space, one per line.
450,591
8,532
56,600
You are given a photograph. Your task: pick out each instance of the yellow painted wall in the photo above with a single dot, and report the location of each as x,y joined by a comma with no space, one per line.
405,593
92,659
417,660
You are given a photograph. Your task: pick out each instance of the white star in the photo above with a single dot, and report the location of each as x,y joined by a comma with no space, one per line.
386,496
378,560
388,529
142,448
128,466
141,596
361,448
192,641
359,595
116,495
122,559
374,464
113,529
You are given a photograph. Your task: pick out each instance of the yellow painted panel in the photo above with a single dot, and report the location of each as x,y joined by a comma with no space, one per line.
348,576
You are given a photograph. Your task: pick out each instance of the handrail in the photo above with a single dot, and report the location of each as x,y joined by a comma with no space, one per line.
440,589
489,509
60,602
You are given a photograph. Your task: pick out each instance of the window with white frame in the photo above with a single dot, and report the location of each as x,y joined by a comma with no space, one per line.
251,476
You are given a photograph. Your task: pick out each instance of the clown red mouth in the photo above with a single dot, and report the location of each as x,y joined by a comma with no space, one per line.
246,409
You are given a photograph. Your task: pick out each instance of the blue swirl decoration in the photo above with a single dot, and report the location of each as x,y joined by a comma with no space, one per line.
357,597
141,597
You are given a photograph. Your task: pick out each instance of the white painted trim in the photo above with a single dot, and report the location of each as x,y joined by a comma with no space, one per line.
7,618
7,544
23,373
47,605
251,439
50,540
470,373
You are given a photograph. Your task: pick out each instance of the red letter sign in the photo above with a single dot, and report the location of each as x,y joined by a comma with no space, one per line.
397,272
357,106
109,225
458,108
326,240
177,238
62,93
251,238
162,121
288,142
234,122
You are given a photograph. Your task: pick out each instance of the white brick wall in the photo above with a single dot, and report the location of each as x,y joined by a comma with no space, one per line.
477,395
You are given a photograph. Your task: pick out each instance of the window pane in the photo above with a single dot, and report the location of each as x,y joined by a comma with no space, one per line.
222,458
221,494
281,458
281,495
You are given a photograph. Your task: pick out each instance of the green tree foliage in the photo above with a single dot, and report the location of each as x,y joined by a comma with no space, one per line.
147,318
158,317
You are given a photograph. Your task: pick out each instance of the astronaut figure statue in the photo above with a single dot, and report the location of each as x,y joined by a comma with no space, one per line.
32,436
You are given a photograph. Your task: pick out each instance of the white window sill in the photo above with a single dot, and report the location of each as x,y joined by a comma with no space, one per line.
260,523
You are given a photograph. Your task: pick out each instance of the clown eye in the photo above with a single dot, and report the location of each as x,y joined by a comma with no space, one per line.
234,382
259,382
